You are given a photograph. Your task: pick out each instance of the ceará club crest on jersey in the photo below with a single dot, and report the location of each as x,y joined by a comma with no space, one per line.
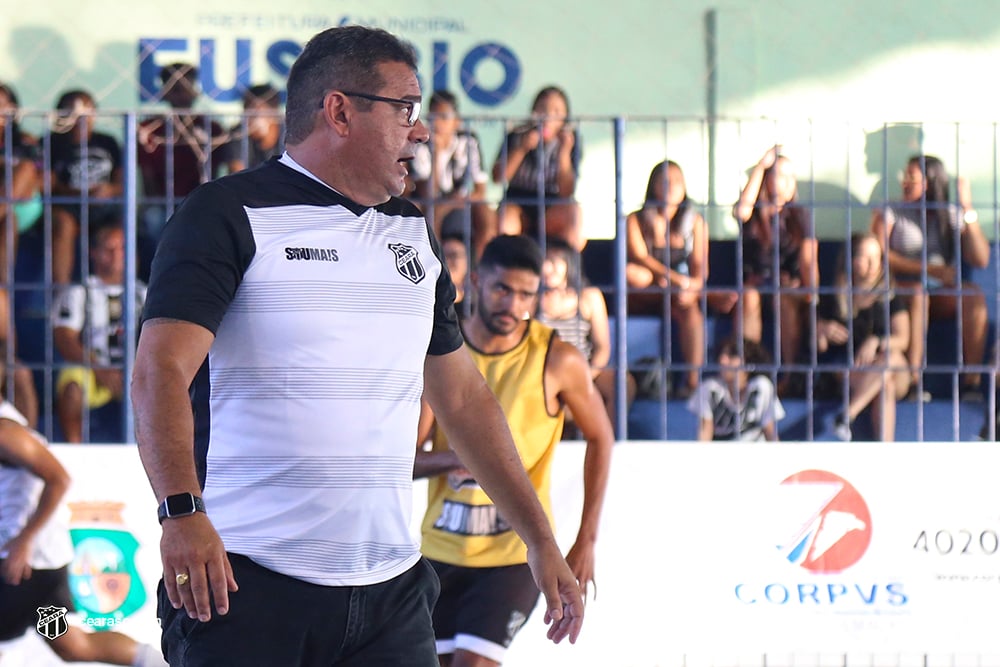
408,262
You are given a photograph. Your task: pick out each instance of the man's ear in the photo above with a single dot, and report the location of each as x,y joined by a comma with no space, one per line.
337,112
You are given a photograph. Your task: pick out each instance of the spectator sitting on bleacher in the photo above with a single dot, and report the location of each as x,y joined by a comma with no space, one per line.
176,149
83,161
22,205
901,226
864,316
20,208
740,403
259,136
546,141
89,331
779,254
668,248
579,315
448,171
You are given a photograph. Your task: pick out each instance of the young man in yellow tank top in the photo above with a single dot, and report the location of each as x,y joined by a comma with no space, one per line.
487,590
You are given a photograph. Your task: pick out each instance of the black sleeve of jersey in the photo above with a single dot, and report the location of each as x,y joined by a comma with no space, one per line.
446,335
201,258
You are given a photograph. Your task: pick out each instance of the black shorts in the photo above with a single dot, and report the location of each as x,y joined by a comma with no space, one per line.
275,620
19,604
480,609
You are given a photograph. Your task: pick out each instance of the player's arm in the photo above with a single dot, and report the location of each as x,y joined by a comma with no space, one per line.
568,370
169,354
476,428
19,448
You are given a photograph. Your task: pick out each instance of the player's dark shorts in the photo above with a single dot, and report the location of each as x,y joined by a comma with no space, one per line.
19,604
275,620
480,609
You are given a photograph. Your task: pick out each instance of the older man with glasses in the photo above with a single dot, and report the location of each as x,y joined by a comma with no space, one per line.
295,314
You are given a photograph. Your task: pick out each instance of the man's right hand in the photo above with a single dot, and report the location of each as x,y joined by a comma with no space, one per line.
563,598
190,545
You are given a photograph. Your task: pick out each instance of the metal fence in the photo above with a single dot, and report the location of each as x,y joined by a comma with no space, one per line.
845,171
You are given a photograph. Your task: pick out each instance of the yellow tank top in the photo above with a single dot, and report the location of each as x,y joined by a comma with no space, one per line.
462,526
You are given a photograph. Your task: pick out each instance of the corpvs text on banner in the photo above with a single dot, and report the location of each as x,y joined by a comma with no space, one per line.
765,548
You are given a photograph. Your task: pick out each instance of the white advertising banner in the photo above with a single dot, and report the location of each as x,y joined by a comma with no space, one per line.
715,549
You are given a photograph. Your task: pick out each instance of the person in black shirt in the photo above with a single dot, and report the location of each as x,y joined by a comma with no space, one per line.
86,178
866,321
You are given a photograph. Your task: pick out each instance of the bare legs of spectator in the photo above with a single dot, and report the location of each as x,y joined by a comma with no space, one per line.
724,302
69,410
691,322
753,322
791,314
65,231
561,220
881,389
509,219
918,328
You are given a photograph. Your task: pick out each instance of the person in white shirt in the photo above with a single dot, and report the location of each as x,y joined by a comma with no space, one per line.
35,552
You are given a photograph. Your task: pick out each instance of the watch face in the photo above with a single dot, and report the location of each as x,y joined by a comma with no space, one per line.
180,504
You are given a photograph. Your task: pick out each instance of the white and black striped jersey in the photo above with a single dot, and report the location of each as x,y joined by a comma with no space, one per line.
306,410
743,420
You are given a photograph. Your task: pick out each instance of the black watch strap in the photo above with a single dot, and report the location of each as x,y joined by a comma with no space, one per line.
178,505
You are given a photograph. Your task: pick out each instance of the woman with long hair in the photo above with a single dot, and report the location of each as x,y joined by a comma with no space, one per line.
866,323
926,218
578,312
540,160
668,248
779,257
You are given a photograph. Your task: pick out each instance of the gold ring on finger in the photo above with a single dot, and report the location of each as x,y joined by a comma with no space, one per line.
182,578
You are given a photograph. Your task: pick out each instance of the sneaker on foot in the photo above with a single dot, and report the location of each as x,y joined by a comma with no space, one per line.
842,427
917,396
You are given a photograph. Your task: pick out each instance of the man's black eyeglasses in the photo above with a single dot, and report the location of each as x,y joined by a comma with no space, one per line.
412,106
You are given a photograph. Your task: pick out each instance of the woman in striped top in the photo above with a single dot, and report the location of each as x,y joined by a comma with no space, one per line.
579,314
539,163
951,234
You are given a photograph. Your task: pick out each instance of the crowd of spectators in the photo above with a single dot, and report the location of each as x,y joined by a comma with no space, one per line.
892,279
